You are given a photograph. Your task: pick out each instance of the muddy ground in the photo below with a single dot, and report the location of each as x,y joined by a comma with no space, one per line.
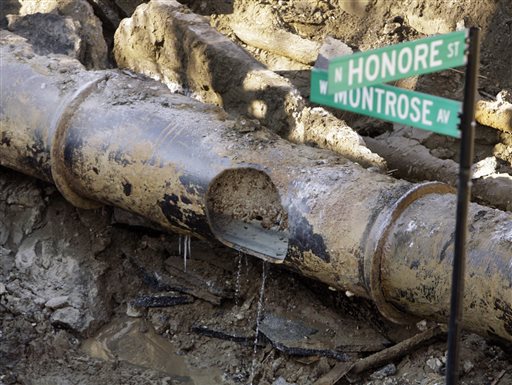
101,296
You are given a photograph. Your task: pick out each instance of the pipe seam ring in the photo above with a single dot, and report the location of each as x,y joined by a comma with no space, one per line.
60,126
383,225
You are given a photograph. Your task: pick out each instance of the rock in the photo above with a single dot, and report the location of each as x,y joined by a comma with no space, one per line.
484,167
26,255
67,318
467,366
330,48
504,96
3,290
282,381
386,371
497,114
160,322
57,302
323,366
49,33
422,325
435,364
89,27
132,311
280,42
391,28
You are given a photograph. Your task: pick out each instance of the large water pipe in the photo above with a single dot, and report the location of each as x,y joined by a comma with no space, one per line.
116,138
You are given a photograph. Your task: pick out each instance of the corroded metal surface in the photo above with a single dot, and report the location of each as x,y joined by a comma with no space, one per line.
121,139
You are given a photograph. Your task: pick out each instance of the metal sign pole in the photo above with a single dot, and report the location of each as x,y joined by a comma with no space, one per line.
467,125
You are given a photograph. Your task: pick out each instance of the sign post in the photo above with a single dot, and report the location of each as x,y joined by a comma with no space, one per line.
354,83
463,197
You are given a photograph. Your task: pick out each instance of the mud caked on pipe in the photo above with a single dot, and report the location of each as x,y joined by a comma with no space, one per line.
109,137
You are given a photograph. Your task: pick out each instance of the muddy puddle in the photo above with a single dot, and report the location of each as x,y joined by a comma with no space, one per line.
133,341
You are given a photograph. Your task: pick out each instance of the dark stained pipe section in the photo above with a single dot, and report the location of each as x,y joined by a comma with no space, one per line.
116,138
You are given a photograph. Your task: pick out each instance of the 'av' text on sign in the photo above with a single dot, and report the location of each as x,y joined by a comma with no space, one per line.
393,104
397,61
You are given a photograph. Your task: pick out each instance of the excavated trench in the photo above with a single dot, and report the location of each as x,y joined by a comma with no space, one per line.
192,169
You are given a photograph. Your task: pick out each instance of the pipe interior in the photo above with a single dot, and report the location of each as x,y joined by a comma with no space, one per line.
245,212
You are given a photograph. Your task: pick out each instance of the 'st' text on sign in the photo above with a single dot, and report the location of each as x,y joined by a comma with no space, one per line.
398,61
390,103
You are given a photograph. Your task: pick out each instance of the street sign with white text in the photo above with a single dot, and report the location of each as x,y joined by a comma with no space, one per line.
390,103
397,61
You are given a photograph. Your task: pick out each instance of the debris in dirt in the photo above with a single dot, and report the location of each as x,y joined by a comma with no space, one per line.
3,290
282,381
68,318
133,312
310,332
233,336
57,302
499,377
244,125
435,364
467,366
160,321
504,96
484,167
161,301
280,42
162,282
331,48
195,283
296,338
497,114
390,354
386,371
151,280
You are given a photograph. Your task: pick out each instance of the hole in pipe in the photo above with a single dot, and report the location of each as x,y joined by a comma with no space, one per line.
245,212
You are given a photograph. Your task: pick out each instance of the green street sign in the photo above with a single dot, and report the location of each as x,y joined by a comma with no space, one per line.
393,104
397,61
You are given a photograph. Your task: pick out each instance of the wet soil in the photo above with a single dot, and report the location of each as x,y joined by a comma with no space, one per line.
69,279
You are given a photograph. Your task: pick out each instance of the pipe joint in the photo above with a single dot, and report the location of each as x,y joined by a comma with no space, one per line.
377,251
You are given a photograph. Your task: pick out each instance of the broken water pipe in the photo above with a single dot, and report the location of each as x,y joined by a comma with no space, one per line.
115,138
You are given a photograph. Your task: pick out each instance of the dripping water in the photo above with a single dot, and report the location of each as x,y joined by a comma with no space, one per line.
185,249
258,317
246,263
237,279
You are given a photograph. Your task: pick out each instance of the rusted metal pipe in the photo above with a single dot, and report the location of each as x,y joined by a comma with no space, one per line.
121,139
